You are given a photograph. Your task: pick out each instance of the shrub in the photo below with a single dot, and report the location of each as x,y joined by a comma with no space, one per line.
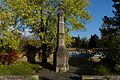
101,70
107,66
117,69
12,57
8,58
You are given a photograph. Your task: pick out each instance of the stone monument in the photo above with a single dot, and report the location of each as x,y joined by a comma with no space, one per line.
61,52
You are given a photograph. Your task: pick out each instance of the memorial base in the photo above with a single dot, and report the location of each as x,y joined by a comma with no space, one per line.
62,60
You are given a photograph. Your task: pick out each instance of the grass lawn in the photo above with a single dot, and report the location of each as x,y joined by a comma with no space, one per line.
19,68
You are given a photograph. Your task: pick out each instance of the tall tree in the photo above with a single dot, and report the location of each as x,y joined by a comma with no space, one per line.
111,34
84,43
94,41
41,16
76,42
112,24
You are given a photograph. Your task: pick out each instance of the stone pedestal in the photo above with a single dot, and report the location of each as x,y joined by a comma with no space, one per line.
62,60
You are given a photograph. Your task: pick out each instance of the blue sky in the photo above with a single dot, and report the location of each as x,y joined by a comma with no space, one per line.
97,9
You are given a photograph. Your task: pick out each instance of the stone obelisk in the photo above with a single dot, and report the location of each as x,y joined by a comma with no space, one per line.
61,53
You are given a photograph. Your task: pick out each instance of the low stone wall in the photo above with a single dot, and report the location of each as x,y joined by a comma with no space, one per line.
107,77
19,77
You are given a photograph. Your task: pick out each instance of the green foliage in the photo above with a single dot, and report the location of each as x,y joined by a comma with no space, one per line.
107,66
9,38
80,42
76,42
9,41
68,40
20,68
111,36
112,24
84,43
9,47
101,70
24,41
94,41
115,48
118,68
75,13
42,16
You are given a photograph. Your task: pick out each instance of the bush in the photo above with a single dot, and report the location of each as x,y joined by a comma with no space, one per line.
8,58
101,70
21,68
107,66
117,69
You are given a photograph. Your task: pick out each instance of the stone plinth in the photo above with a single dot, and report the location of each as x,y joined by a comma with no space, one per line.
62,60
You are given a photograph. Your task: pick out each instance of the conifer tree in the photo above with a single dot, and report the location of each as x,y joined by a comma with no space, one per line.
111,36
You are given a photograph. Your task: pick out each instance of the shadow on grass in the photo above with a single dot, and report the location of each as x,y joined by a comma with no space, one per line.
43,78
75,78
46,65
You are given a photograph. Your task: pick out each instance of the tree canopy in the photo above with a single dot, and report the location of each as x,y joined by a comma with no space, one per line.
41,16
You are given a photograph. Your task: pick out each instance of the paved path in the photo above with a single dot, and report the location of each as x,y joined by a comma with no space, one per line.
77,69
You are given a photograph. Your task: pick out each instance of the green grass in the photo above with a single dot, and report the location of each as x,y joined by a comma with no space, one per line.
20,68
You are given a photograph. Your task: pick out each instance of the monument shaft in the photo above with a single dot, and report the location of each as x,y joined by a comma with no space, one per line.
61,54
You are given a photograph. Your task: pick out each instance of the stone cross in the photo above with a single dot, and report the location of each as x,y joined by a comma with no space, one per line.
61,53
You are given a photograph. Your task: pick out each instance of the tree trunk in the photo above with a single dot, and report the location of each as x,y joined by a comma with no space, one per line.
44,55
